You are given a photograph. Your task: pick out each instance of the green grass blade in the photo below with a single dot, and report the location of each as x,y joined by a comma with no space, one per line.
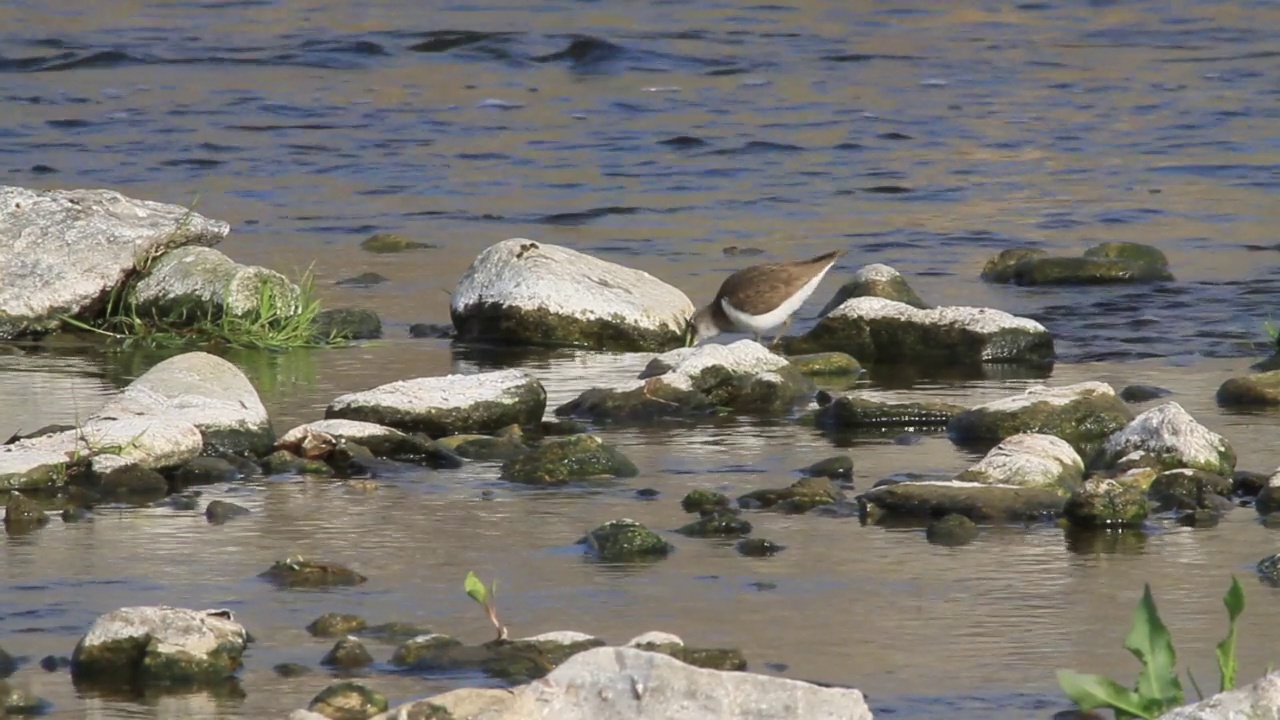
1090,692
1149,640
1226,650
476,589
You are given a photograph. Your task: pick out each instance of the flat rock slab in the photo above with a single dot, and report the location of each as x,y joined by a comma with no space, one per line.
1083,414
449,405
203,390
1259,700
857,412
612,683
532,293
24,467
1029,460
1173,439
202,282
924,501
62,252
877,330
160,645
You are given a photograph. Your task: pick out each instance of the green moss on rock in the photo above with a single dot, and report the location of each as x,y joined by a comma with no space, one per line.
1107,503
850,412
951,531
348,700
801,496
299,572
518,326
826,364
717,524
575,457
704,501
980,503
625,541
1258,390
1000,269
336,625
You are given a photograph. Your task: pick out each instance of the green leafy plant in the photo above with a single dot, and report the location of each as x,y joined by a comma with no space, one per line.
1158,688
487,598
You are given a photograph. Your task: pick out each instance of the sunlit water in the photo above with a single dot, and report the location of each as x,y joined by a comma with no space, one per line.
925,136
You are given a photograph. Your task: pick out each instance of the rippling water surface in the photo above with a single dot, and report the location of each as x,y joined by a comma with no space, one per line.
928,136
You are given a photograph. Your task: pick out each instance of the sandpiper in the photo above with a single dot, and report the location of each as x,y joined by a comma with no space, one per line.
758,298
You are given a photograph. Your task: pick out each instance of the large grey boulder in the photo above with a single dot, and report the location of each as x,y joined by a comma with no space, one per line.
532,293
449,405
199,282
1171,439
877,330
205,391
1259,700
62,252
160,645
612,683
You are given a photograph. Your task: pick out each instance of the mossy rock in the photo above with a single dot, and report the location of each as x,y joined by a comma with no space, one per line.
951,531
205,471
704,501
1083,415
851,412
625,541
218,512
419,653
283,462
926,501
656,403
1173,439
514,661
728,659
23,513
298,572
1107,503
575,457
395,631
799,497
1085,271
494,321
1000,269
833,364
392,243
348,700
1143,393
331,625
159,646
483,447
1269,570
1133,252
758,547
348,654
345,324
1187,489
836,467
126,483
717,524
876,281
1258,390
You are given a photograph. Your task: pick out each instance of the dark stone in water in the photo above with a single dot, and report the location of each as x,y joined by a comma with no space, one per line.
363,280
759,547
562,427
718,524
53,663
8,665
290,670
704,501
647,494
297,572
625,541
391,243
1143,393
734,250
336,625
838,467
21,513
1245,483
347,324
348,654
205,471
219,511
951,531
430,331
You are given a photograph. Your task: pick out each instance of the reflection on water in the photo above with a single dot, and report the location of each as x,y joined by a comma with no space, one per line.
925,137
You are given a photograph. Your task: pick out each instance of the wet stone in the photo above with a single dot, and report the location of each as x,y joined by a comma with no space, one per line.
1257,390
704,501
430,331
344,324
298,572
1245,483
1186,489
336,625
21,513
826,364
876,281
924,501
625,541
348,701
220,511
483,447
557,461
1112,262
717,524
799,497
159,645
347,653
290,670
392,243
1106,503
395,631
363,280
54,663
951,531
1170,435
758,547
837,467
417,652
1143,393
127,483
648,493
8,665
854,412
205,471
1083,414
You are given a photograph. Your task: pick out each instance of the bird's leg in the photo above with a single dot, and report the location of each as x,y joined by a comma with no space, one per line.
786,325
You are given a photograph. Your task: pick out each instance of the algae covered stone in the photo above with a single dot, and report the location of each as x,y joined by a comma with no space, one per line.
198,284
1083,414
160,645
533,293
382,441
1000,269
387,242
1110,262
1029,460
336,625
826,364
1107,503
1260,389
348,700
574,457
858,412
926,500
347,653
704,501
719,523
1174,439
801,496
951,531
1187,489
876,281
438,406
625,541
299,572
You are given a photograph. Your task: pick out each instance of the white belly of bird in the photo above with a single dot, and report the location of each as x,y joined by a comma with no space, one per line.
746,322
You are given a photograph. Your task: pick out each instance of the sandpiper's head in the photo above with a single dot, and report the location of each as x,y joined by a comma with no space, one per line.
700,327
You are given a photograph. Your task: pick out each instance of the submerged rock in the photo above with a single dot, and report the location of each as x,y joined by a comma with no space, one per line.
879,281
1107,503
1082,414
836,467
625,541
612,683
205,391
704,501
484,447
382,441
1110,262
205,471
1029,460
63,251
1257,390
717,524
799,497
876,330
524,292
927,500
512,660
298,572
24,467
159,645
951,531
575,457
21,513
197,284
758,547
220,511
1173,439
826,364
338,324
1143,393
336,625
857,412
438,406
347,653
348,700
1187,489
387,242
1000,269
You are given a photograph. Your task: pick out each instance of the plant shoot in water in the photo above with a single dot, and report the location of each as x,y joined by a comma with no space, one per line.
487,598
1158,689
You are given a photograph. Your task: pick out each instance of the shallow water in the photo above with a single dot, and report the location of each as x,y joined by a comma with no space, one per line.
656,135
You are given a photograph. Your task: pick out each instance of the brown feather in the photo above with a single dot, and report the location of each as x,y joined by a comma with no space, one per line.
761,288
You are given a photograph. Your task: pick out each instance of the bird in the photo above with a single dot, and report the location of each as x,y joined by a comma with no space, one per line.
758,298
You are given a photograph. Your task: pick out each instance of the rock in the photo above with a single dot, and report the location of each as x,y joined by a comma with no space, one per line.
511,660
21,702
205,471
107,444
205,391
336,625
611,683
826,364
344,324
876,330
290,670
363,280
837,467
348,653
1258,390
298,572
856,412
655,639
126,483
392,243
951,531
799,497
758,547
1269,570
717,524
219,511
1174,439
1107,503
576,457
438,406
21,513
1268,498
159,645
926,500
63,251
1187,489
1259,700
395,631
190,285
431,331
348,700
483,447
704,501
8,665
1082,414
1110,262
879,281
1029,460
530,293
625,541
23,467
1245,483
418,652
1143,393
283,462
382,441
